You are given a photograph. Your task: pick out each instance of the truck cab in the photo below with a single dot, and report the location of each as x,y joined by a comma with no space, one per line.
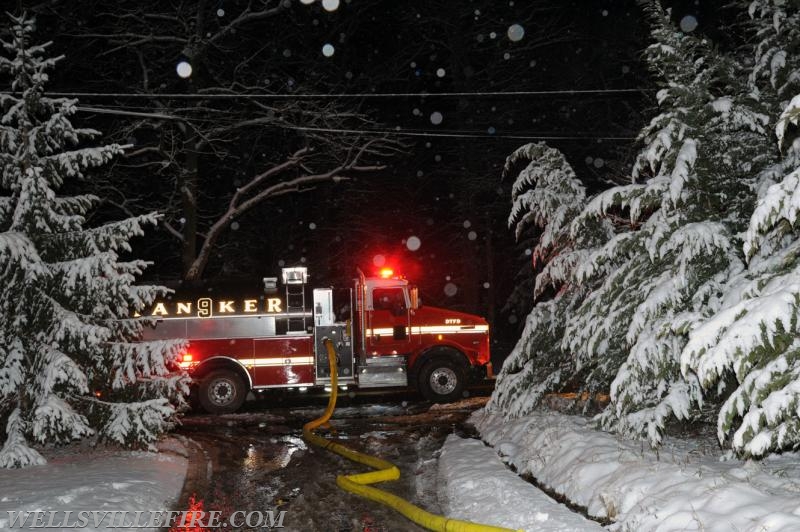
436,349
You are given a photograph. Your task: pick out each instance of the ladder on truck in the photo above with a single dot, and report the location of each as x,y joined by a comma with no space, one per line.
294,281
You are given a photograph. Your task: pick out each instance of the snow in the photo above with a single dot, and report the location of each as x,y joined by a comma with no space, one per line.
79,478
474,485
687,485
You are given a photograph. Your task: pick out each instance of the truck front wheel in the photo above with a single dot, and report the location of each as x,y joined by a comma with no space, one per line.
442,380
222,392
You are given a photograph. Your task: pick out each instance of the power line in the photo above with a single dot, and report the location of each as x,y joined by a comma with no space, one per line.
452,135
318,96
98,110
395,132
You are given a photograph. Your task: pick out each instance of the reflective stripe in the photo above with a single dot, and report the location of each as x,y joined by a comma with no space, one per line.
434,329
261,362
278,361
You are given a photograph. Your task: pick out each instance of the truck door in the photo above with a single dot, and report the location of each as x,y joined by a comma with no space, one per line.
388,325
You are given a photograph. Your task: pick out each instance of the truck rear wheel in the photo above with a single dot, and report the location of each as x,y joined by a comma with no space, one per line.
442,380
222,392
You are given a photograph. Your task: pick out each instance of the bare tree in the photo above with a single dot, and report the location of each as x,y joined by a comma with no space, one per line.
209,147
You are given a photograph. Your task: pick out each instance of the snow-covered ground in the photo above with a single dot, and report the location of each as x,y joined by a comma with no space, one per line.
475,485
686,485
79,478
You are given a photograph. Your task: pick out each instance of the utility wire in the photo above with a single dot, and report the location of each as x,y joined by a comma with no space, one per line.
101,111
301,96
395,132
452,135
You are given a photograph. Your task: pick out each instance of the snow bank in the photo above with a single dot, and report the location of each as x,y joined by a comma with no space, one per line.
474,485
687,485
80,478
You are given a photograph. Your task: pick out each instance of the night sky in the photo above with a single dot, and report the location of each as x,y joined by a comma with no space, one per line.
438,210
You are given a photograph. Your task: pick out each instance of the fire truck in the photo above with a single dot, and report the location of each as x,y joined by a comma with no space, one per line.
384,337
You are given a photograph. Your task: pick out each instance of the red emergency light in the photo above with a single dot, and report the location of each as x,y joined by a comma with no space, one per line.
386,273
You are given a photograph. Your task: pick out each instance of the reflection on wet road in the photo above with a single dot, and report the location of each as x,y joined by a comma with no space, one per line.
261,463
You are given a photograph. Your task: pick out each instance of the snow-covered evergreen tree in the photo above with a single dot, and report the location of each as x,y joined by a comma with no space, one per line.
751,345
696,298
700,153
69,363
546,197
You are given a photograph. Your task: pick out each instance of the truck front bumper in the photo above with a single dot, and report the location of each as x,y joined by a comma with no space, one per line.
479,373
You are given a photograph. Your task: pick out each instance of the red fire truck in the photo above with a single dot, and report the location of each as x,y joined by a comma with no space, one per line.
383,336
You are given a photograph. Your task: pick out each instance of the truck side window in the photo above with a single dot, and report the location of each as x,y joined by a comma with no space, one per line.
391,299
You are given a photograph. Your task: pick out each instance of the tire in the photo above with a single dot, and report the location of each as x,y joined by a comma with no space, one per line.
222,392
442,380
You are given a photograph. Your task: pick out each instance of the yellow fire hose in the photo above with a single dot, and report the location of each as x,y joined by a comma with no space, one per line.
360,483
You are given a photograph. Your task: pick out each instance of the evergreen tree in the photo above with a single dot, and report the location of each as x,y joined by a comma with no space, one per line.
546,197
699,155
751,345
69,363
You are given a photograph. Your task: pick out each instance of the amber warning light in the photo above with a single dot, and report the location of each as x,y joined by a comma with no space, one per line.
386,273
186,360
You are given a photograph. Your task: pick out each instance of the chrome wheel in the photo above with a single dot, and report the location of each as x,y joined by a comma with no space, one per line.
443,380
222,392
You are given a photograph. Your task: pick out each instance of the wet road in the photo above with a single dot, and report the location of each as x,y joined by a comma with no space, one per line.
259,460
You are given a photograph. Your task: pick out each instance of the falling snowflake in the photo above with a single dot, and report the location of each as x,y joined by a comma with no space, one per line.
330,5
328,50
440,72
378,260
234,225
516,32
472,235
184,69
413,243
467,224
220,12
486,285
436,118
688,23
450,289
312,226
